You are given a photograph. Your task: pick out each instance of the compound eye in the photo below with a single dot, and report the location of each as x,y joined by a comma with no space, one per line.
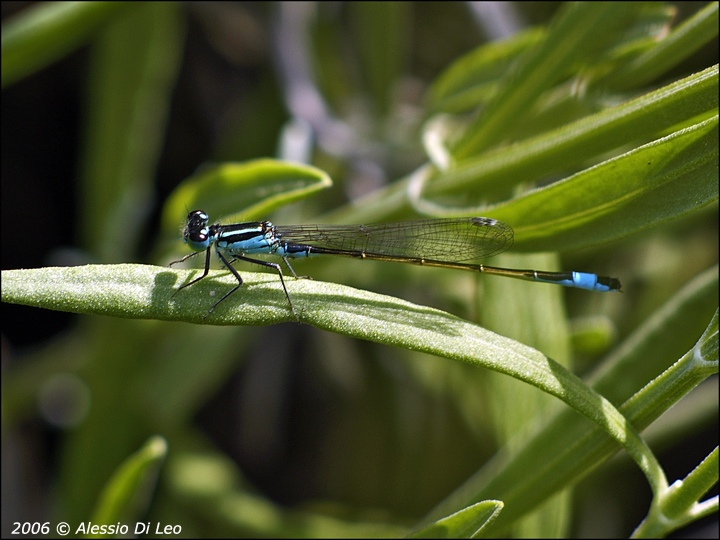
198,240
198,237
198,214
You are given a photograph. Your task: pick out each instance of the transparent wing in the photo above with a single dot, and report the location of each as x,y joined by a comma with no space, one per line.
451,240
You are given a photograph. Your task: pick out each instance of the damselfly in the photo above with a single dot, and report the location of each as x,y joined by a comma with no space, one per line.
429,242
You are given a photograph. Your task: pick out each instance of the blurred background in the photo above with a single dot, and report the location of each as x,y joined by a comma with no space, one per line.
315,432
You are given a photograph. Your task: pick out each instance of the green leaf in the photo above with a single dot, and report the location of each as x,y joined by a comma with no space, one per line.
652,184
579,30
136,291
133,71
682,496
655,183
381,37
588,197
127,494
239,192
47,31
585,140
469,522
474,79
556,451
681,43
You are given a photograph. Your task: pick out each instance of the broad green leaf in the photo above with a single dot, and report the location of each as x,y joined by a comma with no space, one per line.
136,291
648,186
236,192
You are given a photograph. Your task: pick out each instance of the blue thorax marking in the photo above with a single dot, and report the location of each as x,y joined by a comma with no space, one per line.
247,238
